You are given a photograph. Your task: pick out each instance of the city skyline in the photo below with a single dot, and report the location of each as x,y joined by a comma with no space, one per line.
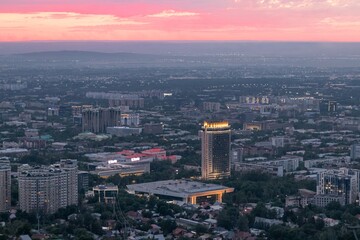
261,20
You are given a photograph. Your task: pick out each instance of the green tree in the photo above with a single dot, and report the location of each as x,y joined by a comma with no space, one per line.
167,226
200,229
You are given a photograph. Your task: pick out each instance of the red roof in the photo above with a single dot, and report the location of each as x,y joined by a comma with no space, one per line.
154,150
126,152
177,231
171,157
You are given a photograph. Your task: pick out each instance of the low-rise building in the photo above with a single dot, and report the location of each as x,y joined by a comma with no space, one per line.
123,131
106,193
328,160
249,167
182,190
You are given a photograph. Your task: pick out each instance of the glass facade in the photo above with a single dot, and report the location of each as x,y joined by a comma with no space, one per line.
215,145
220,153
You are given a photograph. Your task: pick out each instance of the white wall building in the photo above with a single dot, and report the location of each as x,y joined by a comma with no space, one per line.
355,151
46,189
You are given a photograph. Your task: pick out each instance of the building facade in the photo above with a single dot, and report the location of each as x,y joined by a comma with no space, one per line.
5,185
96,120
215,150
123,131
343,183
106,193
181,190
130,119
70,167
211,106
46,189
83,181
355,151
237,155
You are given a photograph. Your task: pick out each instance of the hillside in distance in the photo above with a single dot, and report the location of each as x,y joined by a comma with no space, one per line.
181,54
79,59
67,55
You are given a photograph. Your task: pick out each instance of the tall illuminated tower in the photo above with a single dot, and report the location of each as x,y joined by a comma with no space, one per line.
215,150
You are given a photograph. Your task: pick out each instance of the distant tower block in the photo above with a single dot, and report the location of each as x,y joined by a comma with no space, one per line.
5,185
96,120
215,150
332,106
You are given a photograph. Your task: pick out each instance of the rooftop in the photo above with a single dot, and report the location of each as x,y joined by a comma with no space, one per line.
216,125
154,150
177,188
106,187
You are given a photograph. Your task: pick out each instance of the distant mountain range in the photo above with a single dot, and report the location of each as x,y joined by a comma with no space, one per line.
232,54
84,56
190,48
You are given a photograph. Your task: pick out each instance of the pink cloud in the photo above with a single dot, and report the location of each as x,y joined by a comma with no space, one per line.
173,13
309,20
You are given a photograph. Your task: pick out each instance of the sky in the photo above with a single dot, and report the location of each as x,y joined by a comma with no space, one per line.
259,20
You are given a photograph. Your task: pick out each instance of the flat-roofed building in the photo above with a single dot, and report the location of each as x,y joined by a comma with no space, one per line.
123,131
155,152
342,160
182,190
290,163
324,200
276,170
122,169
106,193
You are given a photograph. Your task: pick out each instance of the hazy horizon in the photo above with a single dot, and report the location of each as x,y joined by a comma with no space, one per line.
283,48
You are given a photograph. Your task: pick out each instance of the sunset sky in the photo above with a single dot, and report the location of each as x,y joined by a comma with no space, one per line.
279,20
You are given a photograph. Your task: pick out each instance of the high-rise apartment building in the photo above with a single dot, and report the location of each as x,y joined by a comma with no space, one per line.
211,106
355,151
119,99
70,167
332,106
46,189
342,183
5,185
83,181
96,120
130,119
215,150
